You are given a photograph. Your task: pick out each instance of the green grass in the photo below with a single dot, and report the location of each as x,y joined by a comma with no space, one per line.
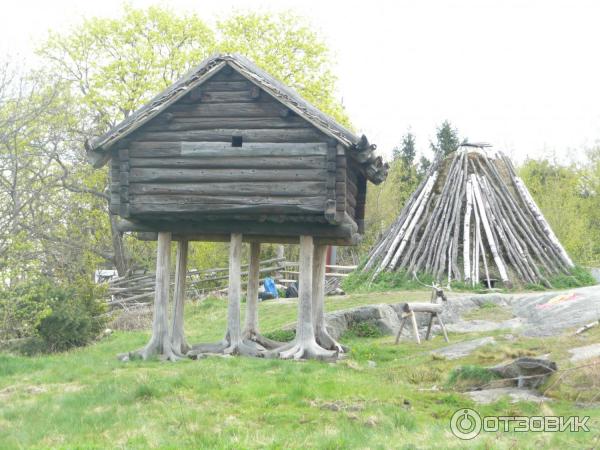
363,282
85,398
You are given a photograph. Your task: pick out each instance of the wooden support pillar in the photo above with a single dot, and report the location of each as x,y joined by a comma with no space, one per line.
234,291
177,334
160,343
305,289
251,327
318,282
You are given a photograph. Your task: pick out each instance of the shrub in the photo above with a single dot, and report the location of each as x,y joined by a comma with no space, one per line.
281,335
50,316
363,330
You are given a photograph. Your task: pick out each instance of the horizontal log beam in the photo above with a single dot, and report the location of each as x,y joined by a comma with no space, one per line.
174,123
224,149
224,134
251,188
149,175
240,162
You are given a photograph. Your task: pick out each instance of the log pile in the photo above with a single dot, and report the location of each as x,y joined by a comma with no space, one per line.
472,219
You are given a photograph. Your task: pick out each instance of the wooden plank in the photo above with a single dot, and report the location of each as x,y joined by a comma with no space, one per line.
244,162
213,85
242,109
271,188
316,202
228,74
224,149
138,208
169,123
191,227
207,96
139,175
224,134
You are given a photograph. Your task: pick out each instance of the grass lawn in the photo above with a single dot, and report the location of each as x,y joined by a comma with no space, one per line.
87,399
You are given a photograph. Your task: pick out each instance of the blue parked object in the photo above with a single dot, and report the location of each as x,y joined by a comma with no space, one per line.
269,285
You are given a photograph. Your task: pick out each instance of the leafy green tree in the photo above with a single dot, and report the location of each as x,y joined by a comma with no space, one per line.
286,47
447,140
560,193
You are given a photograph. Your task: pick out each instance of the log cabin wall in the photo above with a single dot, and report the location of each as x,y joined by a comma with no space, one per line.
229,148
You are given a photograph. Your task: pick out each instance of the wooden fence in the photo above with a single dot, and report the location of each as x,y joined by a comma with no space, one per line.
138,289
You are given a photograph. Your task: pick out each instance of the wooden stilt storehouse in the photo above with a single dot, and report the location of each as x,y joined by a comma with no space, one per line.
228,153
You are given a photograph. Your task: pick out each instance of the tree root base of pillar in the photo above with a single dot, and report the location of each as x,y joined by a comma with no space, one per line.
325,340
245,347
266,343
151,351
302,350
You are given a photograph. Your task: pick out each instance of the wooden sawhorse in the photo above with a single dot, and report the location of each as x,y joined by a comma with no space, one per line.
408,311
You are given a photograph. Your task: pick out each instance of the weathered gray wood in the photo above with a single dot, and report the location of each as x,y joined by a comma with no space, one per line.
178,339
225,150
223,134
160,342
138,208
158,199
242,162
143,175
422,307
413,320
251,327
293,229
322,336
234,290
227,74
251,188
249,109
172,123
211,85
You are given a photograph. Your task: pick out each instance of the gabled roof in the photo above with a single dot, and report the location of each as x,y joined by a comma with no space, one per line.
97,148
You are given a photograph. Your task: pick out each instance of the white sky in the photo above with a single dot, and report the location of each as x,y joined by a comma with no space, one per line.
522,75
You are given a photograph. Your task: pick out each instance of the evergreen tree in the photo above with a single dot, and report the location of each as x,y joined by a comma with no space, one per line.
424,165
447,140
407,151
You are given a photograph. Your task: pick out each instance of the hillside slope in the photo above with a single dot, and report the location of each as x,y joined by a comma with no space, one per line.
382,396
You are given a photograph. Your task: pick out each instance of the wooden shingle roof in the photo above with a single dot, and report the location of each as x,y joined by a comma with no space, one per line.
361,150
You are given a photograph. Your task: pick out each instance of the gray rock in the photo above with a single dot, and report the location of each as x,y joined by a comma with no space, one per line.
463,349
516,395
383,316
585,352
547,313
526,371
484,326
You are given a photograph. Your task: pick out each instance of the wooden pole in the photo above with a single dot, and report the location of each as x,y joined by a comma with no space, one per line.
177,333
160,342
467,233
305,289
251,327
235,281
